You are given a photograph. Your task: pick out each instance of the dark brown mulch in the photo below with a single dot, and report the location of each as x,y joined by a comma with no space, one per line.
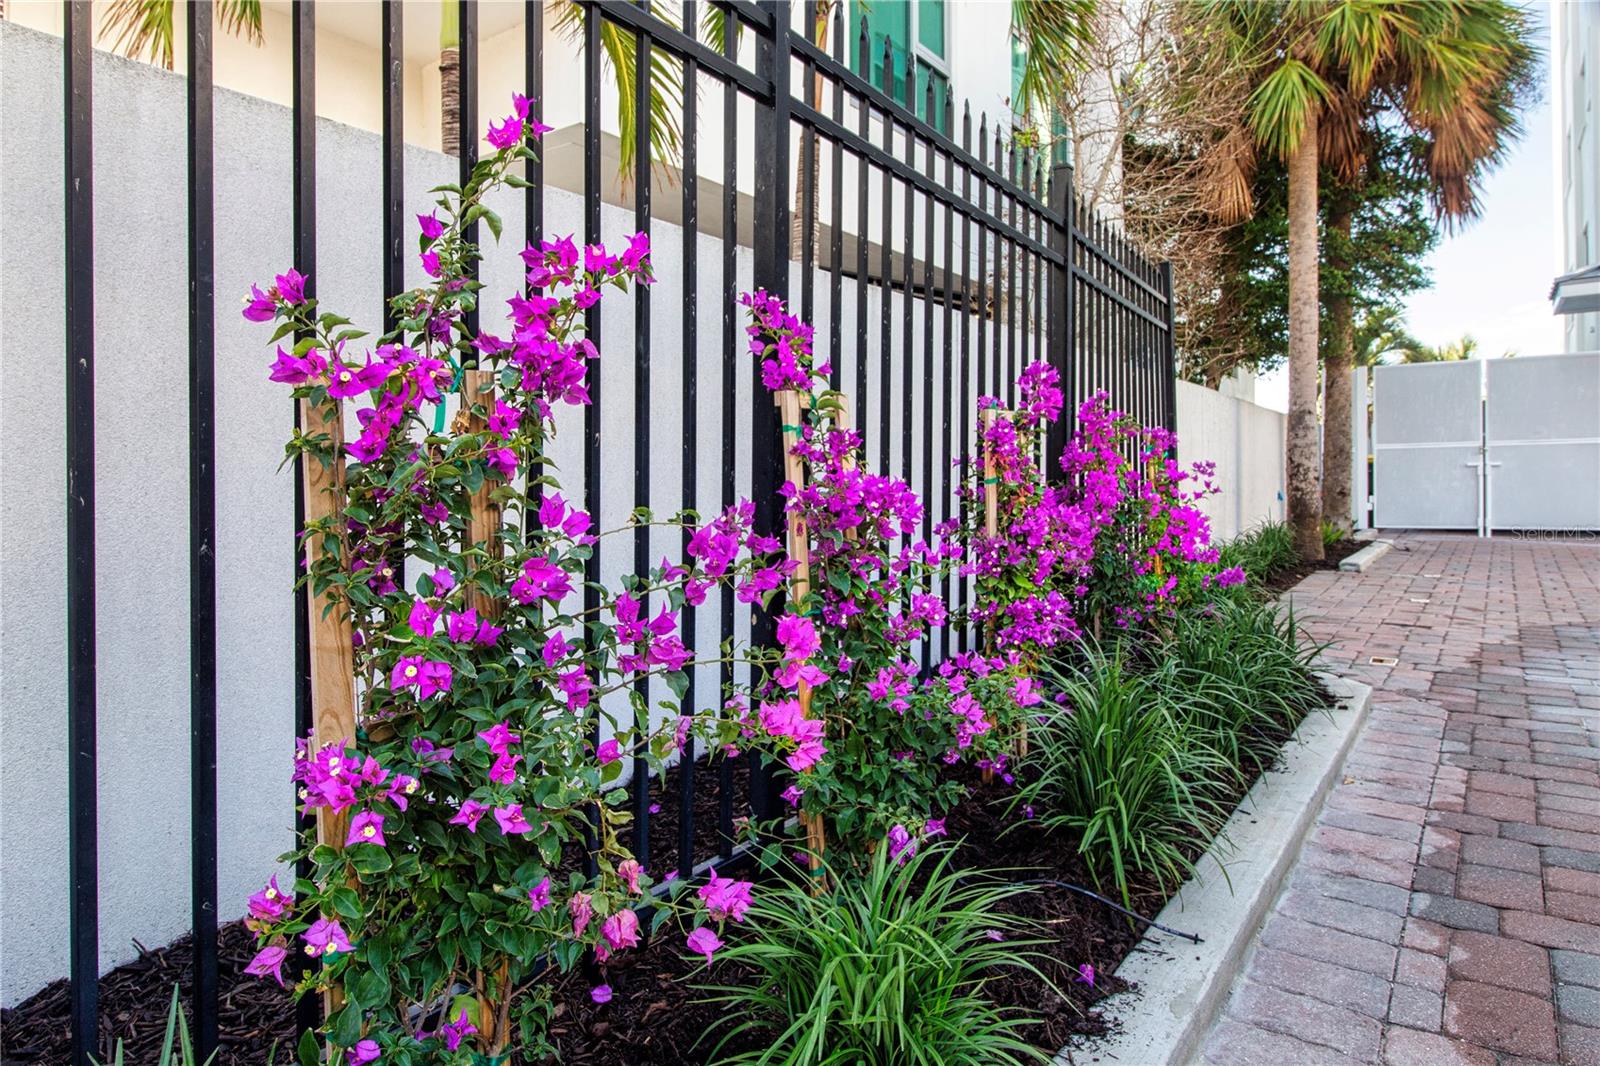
1288,578
654,1018
133,1008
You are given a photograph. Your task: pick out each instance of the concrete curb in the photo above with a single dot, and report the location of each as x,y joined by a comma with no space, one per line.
1361,560
1181,987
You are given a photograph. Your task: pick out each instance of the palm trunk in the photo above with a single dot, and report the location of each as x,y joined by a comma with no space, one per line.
450,101
1304,462
450,77
1338,358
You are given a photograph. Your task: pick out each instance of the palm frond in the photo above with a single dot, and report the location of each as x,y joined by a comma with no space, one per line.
143,29
618,48
1283,103
146,29
1054,35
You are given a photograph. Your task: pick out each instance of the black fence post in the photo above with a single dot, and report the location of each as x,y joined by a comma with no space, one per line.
1063,352
771,269
82,789
308,1009
202,535
1169,356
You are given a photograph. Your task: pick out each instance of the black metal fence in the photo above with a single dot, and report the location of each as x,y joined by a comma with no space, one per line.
975,256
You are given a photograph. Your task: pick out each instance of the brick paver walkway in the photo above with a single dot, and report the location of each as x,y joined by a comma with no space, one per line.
1446,908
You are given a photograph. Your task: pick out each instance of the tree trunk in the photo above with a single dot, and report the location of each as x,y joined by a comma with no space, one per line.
1304,462
450,101
1338,358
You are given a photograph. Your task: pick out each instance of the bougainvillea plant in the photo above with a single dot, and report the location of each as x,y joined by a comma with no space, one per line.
1115,538
1152,543
869,757
479,800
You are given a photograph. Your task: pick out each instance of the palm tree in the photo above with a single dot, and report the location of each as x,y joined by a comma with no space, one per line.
1450,352
1322,71
1380,334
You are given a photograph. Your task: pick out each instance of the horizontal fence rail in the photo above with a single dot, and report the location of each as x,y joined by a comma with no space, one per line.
935,255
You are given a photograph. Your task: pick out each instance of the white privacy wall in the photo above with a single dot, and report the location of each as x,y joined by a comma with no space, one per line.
142,483
1245,440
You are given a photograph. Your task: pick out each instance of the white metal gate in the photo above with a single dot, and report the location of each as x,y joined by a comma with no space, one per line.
1485,444
1427,445
1541,429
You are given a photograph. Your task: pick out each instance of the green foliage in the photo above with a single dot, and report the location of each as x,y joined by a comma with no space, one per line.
1245,676
888,968
1332,534
176,1047
1380,263
1262,552
1144,757
1114,764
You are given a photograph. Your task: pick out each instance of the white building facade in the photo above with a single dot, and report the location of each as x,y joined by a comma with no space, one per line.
1575,76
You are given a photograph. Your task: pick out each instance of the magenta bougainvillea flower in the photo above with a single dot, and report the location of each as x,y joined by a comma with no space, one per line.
539,895
325,937
726,899
902,845
469,814
268,962
452,1033
704,941
268,906
610,751
365,1051
512,822
600,994
621,930
581,909
499,738
541,580
365,828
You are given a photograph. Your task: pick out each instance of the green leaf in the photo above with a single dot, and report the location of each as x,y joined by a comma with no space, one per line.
345,1027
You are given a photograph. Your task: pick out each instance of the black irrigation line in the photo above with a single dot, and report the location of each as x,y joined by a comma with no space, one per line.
1114,905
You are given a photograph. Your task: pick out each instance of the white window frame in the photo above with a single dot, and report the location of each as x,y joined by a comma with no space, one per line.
921,51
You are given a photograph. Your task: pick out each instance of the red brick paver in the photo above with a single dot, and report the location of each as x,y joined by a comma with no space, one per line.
1446,908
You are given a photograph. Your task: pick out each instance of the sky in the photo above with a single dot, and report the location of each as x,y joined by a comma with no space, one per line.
1492,278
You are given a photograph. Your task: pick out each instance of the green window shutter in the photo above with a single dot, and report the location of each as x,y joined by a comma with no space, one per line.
939,117
891,20
1019,62
930,26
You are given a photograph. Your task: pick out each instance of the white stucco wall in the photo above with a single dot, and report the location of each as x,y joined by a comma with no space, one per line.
141,447
1246,442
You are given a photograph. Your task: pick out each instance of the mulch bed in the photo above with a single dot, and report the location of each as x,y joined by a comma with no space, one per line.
1288,578
655,1017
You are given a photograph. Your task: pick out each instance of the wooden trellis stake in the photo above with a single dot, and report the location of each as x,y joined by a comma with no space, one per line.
333,695
483,524
791,403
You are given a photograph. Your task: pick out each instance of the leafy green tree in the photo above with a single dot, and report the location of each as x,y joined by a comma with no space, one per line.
1369,264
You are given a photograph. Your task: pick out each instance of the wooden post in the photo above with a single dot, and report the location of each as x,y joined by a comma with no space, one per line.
333,702
483,526
791,403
